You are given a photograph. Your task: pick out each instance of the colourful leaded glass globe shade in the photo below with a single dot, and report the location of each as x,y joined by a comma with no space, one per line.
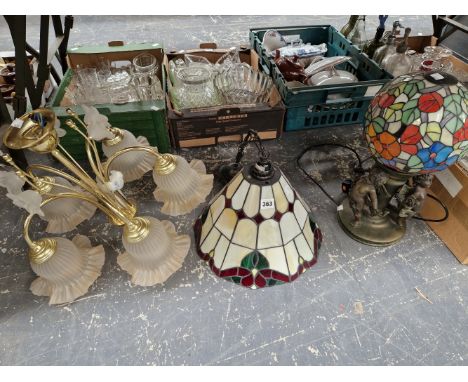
418,123
257,231
415,126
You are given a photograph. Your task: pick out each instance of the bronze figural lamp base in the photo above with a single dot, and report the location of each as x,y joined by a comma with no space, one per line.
378,204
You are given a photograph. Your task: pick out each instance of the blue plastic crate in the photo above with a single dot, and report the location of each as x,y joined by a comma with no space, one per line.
329,105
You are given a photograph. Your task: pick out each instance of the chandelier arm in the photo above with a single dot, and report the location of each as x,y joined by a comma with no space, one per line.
45,181
127,150
43,249
59,173
77,170
95,161
26,176
91,150
88,184
105,209
64,153
31,243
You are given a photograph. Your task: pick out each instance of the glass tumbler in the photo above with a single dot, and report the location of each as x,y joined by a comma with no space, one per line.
87,80
147,87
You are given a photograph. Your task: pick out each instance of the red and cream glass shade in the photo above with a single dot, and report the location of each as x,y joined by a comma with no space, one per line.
257,233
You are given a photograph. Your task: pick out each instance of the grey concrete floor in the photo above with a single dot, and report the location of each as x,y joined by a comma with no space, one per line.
357,305
185,32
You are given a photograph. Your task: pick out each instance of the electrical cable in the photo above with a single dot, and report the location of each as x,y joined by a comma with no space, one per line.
359,169
308,148
435,220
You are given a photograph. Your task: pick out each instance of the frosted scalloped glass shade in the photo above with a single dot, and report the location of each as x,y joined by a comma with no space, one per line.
183,189
69,273
257,235
133,165
155,258
65,214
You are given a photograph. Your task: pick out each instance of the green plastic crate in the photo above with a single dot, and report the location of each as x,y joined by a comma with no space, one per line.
147,118
328,105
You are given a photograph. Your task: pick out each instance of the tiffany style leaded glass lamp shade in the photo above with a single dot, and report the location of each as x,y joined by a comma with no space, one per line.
257,231
416,125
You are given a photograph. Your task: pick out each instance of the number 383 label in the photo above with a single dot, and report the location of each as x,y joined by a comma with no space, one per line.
267,203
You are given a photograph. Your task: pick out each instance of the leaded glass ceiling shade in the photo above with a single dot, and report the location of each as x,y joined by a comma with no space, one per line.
258,233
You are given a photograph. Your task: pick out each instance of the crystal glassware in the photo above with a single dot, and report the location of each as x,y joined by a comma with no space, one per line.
231,57
436,58
174,66
145,63
88,76
194,88
147,87
119,87
87,87
239,83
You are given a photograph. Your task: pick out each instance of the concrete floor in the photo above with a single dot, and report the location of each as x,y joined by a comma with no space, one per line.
185,32
357,306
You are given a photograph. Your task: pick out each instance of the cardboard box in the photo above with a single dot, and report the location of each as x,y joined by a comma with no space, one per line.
213,125
451,187
145,118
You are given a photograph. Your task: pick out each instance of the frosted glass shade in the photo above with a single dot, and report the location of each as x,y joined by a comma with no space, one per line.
63,215
69,273
183,189
133,165
161,253
258,233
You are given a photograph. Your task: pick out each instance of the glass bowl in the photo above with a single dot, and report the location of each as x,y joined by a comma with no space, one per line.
194,88
239,84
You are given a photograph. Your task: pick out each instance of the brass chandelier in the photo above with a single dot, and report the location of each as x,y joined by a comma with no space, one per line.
153,249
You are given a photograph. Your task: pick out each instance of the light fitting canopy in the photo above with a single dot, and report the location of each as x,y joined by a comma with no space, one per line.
257,231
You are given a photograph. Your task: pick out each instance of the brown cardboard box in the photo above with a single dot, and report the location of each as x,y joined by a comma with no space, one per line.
213,125
451,187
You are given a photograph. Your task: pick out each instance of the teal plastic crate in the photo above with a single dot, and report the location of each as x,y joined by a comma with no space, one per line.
147,118
310,107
